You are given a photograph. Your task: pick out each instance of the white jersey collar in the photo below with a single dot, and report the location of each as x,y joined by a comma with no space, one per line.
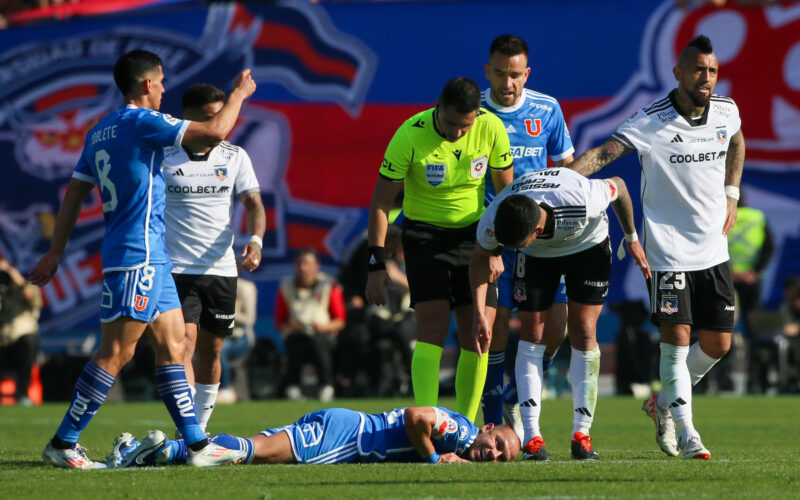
487,95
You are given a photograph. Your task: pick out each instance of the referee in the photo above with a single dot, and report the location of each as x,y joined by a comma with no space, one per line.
442,155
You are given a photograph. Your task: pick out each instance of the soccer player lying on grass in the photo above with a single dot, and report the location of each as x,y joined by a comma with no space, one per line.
337,435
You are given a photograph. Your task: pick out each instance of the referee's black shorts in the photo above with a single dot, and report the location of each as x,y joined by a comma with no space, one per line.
437,262
208,301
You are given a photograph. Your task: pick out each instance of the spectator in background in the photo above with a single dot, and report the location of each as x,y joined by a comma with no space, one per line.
376,340
20,304
309,313
750,247
790,317
242,339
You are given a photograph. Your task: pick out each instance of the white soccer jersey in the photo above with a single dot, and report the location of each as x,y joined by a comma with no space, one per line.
577,204
683,181
200,202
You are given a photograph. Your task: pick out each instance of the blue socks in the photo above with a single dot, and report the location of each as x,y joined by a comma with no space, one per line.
177,396
178,451
492,400
89,394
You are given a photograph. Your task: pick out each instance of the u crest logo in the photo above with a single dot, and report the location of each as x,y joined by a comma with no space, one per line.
140,303
533,131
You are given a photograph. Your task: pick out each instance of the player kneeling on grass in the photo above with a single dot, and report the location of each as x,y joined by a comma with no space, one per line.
337,435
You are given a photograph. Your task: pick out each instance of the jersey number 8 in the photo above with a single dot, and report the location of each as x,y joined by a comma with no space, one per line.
103,163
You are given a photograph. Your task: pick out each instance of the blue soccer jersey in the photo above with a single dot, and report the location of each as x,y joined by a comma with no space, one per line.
536,129
123,155
338,435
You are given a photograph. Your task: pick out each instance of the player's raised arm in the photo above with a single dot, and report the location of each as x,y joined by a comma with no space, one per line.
420,422
734,163
47,266
597,158
384,193
213,131
623,208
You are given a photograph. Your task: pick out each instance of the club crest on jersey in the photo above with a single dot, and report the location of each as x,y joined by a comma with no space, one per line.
533,127
477,167
221,173
722,135
435,173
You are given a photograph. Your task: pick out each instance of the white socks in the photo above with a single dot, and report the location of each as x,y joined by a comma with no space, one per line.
528,370
204,402
677,386
699,363
584,368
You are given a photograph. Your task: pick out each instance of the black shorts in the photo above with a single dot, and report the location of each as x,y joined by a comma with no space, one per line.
209,301
703,299
586,274
437,262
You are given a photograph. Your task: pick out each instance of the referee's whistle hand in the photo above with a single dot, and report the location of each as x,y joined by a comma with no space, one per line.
377,281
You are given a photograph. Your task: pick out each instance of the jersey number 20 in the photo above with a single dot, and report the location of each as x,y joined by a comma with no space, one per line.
103,163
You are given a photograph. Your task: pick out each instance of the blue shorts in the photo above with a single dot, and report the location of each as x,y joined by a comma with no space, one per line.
327,436
505,286
142,293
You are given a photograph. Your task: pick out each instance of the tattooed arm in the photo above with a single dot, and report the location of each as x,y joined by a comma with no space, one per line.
734,163
597,158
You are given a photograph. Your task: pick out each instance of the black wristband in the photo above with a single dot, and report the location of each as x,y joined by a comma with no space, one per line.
377,259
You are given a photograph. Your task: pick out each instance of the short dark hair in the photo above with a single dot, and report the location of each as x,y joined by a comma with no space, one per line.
200,94
509,45
701,43
516,218
132,66
461,93
306,251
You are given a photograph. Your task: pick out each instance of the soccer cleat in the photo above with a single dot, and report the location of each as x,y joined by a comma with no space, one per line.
693,448
582,447
124,444
535,450
213,455
71,458
665,426
153,450
513,419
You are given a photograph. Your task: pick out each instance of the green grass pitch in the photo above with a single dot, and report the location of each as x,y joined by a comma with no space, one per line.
753,441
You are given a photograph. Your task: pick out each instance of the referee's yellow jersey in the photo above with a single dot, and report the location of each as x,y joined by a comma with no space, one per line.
444,181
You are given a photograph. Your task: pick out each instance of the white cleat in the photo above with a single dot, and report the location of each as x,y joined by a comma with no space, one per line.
665,426
154,450
124,444
513,419
213,455
692,447
71,458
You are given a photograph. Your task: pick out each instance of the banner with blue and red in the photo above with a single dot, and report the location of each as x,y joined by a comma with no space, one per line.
336,80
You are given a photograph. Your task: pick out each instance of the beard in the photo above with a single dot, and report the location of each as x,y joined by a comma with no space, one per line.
699,99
